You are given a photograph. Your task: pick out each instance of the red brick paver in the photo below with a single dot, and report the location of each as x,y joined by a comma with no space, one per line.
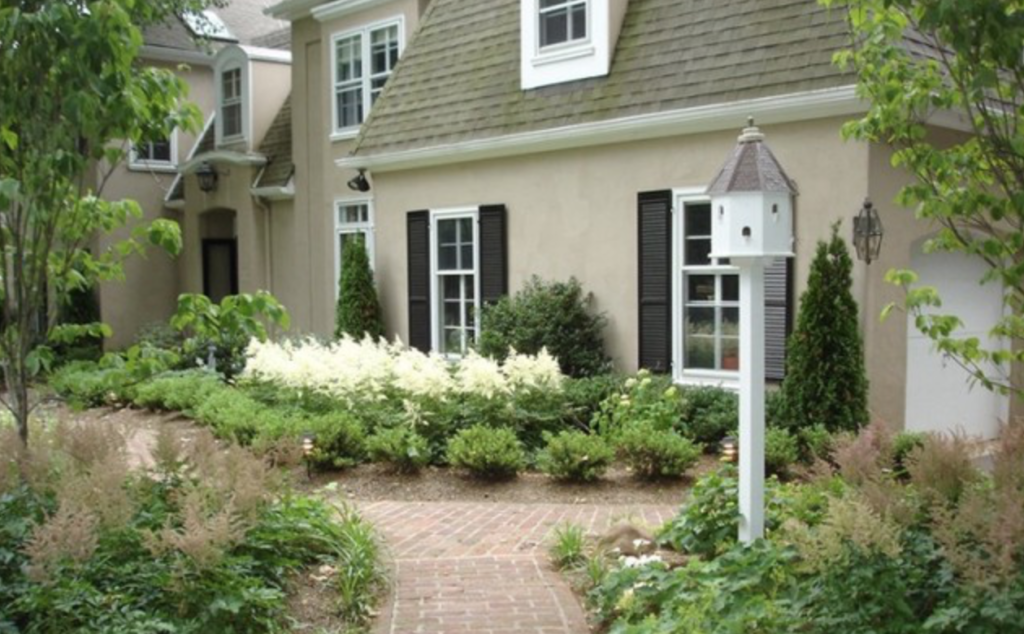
482,568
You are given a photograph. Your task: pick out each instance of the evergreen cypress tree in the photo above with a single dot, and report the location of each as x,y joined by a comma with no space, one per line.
358,312
825,378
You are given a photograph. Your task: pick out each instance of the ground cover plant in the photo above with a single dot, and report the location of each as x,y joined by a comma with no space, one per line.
857,548
206,541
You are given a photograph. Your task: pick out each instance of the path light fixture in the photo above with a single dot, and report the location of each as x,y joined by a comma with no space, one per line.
867,233
359,183
207,175
308,447
730,449
752,225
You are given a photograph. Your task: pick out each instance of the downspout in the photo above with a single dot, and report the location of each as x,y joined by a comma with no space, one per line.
268,268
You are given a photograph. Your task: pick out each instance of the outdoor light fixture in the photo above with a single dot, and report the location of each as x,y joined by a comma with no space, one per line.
308,446
867,233
359,183
730,449
206,174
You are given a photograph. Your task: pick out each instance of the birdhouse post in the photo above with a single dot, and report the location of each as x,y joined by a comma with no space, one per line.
752,224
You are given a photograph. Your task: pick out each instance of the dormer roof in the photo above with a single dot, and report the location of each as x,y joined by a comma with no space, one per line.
751,168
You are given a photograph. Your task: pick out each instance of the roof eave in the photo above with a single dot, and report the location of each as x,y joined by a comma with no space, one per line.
291,9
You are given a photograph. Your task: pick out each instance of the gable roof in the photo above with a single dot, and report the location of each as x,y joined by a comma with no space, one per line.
459,79
244,19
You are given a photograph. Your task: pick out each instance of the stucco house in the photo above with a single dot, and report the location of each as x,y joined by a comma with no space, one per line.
476,143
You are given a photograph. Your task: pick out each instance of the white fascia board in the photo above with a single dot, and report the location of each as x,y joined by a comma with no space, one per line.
174,204
291,9
191,154
804,106
274,193
260,54
341,8
222,156
163,54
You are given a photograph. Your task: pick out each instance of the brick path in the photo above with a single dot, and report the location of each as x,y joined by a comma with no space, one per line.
482,568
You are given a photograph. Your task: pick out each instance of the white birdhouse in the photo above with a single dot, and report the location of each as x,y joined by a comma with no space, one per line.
751,203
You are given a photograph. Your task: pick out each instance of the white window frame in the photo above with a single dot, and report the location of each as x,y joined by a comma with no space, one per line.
437,332
341,228
722,378
577,43
364,32
229,59
151,165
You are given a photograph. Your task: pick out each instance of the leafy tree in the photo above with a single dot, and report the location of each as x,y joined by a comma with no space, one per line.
358,312
825,379
72,99
971,188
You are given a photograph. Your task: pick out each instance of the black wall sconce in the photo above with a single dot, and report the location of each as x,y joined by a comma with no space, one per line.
207,175
359,183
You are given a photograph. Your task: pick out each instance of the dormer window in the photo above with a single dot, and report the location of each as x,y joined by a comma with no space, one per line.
231,103
362,61
562,21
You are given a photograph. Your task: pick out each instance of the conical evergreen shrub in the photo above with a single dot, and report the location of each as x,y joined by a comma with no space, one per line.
358,312
825,378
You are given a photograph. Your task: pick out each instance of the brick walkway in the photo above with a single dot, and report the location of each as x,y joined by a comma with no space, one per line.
482,568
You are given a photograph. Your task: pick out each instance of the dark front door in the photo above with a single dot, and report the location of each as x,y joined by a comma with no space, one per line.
220,268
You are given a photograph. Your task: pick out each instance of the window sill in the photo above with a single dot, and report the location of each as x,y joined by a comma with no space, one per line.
563,53
725,380
160,168
344,135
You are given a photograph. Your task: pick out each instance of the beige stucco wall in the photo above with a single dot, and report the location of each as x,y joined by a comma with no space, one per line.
148,293
271,83
573,212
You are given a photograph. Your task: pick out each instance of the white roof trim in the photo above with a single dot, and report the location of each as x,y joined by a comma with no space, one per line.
274,193
291,9
260,54
340,8
175,204
177,55
815,104
222,156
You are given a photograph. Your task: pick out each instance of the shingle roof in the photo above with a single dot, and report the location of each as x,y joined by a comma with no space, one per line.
280,39
243,18
751,167
277,147
459,78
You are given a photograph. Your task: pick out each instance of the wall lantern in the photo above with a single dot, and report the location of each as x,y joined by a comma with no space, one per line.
359,183
752,224
867,233
206,174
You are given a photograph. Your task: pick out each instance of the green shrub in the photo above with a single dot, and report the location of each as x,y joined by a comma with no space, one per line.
583,397
712,413
709,520
487,452
401,448
652,453
816,442
825,380
340,439
358,311
552,315
178,392
781,450
575,456
903,444
231,414
646,400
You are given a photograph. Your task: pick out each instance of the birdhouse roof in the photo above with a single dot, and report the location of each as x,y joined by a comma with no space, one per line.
751,168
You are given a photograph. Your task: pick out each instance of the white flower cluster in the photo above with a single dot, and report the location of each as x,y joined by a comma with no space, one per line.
641,561
370,370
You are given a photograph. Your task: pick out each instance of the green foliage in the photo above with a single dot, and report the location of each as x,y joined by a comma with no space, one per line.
358,311
361,574
709,521
712,414
648,400
487,452
227,327
825,379
652,453
401,448
583,397
568,544
552,315
232,414
113,380
968,187
781,450
816,442
575,456
340,439
179,391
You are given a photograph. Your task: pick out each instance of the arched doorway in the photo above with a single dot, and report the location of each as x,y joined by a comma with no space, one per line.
940,395
220,254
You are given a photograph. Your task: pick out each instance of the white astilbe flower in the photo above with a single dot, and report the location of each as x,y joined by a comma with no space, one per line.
481,376
641,561
422,375
540,371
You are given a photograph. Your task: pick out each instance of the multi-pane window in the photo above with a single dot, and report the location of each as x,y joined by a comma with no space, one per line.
155,152
455,261
363,61
353,223
231,103
562,21
711,298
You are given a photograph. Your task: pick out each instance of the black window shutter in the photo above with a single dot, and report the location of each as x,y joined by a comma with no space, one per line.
777,316
418,235
493,253
654,233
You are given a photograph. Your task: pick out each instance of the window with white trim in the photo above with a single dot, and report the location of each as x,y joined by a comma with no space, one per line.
231,103
454,259
709,305
353,221
154,154
562,21
362,62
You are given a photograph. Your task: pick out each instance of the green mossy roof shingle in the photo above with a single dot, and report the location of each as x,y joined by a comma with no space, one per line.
459,78
277,147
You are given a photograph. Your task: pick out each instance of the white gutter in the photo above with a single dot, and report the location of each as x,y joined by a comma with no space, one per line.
340,8
261,54
163,54
291,9
274,193
816,104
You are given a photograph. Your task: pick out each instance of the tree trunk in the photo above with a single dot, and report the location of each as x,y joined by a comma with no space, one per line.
17,395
